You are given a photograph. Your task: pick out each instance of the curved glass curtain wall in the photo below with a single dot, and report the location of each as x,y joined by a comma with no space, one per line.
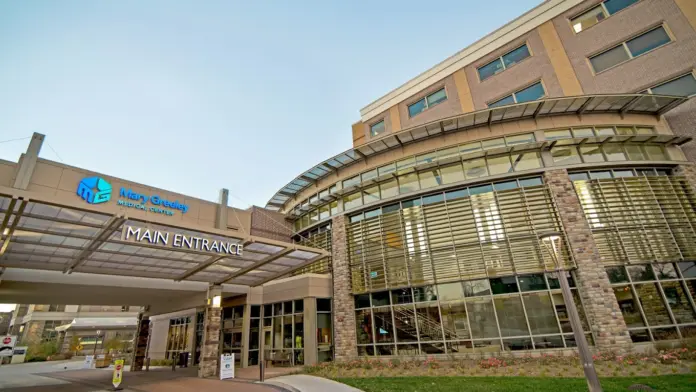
644,223
473,232
486,315
477,160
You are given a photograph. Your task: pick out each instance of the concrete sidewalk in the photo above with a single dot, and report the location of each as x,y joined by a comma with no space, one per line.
304,383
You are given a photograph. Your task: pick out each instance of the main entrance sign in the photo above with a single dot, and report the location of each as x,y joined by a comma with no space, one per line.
178,240
96,190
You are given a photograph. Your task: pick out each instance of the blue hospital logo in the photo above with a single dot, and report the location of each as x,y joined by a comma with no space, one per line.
94,190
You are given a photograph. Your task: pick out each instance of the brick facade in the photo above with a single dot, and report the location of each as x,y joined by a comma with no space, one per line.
688,171
210,349
270,224
600,304
345,340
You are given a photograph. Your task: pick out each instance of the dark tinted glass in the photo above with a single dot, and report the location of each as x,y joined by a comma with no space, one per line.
648,41
402,296
614,6
255,310
532,282
504,285
362,301
323,305
516,56
380,299
490,69
617,274
416,108
509,100
531,93
424,294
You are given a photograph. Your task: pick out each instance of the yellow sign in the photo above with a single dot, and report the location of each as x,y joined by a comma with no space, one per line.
79,348
118,373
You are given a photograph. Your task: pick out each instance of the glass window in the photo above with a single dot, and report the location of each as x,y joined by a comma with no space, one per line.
377,128
429,178
511,316
504,285
648,41
555,135
665,271
362,301
323,304
583,132
534,181
475,288
565,155
452,173
405,322
380,299
640,273
579,176
470,147
426,158
656,153
532,282
509,100
587,19
424,294
450,291
437,97
592,153
688,269
629,306
531,93
614,152
352,201
598,175
369,175
432,199
682,86
653,307
475,168
526,161
416,108
606,131
678,302
333,208
520,139
504,186
614,6
483,324
454,319
609,58
363,325
408,183
388,189
541,313
490,69
624,130
516,56
429,317
493,143
617,274
386,169
384,331
634,152
324,212
373,213
402,296
458,194
371,194
499,165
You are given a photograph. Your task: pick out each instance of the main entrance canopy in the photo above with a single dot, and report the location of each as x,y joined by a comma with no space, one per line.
41,235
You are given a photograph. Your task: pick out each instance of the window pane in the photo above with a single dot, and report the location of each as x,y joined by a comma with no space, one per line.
429,178
391,168
380,299
388,189
532,282
371,194
408,183
504,285
475,168
624,130
404,164
565,155
614,152
684,86
499,165
665,271
526,161
476,288
648,41
511,316
490,69
482,322
384,332
416,108
428,316
377,128
635,153
470,147
505,101
678,302
540,312
609,58
520,139
402,296
583,132
405,322
452,173
554,135
493,143
614,6
653,307
640,273
656,153
516,56
531,93
589,18
450,291
607,131
592,154
437,97
352,201
617,275
688,269
363,324
454,319
629,307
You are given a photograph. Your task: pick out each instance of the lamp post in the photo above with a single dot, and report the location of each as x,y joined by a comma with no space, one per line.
95,342
552,243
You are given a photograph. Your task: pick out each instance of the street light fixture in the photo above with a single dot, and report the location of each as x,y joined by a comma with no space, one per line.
552,243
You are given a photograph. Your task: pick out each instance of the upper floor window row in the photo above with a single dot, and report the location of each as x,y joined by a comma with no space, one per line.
597,14
531,93
629,49
427,102
503,62
684,86
377,128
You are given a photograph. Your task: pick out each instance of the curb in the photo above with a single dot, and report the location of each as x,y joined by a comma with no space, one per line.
282,386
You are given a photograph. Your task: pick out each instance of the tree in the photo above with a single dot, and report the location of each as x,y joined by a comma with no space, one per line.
74,344
114,344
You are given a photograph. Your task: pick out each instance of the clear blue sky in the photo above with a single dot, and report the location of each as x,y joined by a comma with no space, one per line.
194,96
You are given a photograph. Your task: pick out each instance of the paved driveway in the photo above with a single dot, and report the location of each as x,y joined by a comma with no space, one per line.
69,377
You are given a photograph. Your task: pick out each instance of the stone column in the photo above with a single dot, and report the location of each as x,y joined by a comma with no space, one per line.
210,349
246,325
688,171
345,341
142,336
601,307
309,340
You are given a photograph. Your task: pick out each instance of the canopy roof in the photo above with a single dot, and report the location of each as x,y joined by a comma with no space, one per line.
99,322
589,104
42,235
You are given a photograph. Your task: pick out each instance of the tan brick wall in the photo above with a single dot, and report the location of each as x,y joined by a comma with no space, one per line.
682,120
345,341
270,224
688,171
600,304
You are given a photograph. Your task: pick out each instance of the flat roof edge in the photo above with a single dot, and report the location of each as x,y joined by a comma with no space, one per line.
512,30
